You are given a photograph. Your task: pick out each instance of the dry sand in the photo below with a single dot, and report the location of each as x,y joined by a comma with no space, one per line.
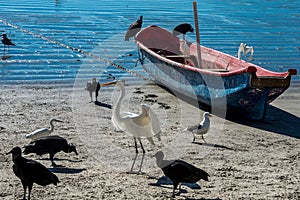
255,160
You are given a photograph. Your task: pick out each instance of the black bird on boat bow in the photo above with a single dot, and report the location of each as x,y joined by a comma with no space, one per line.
134,28
182,29
50,144
179,171
30,171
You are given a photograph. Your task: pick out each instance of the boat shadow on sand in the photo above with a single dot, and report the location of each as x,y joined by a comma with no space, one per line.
276,120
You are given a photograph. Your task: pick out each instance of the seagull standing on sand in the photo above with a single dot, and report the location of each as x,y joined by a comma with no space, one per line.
179,171
134,28
6,41
30,171
182,29
202,128
43,131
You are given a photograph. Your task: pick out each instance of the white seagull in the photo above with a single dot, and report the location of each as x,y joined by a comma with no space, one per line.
43,131
202,128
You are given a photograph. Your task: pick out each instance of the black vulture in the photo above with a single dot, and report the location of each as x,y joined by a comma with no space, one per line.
179,171
51,145
6,41
182,29
30,171
134,28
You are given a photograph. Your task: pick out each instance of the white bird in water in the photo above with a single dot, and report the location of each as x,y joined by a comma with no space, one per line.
43,131
202,128
143,125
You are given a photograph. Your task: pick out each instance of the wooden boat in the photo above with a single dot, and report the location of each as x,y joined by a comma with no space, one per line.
246,87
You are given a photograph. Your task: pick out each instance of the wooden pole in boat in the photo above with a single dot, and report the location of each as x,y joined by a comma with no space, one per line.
199,59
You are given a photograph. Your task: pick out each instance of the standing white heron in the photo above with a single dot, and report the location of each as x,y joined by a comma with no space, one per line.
43,131
143,125
202,128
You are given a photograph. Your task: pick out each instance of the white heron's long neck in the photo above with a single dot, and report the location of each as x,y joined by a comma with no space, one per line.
117,108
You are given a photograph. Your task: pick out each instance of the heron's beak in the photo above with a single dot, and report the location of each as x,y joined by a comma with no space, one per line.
108,83
58,120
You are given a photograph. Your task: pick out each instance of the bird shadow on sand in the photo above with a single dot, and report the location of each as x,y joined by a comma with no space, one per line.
163,181
98,103
61,159
66,170
212,145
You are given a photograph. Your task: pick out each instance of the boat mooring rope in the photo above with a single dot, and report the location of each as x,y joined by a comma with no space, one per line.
76,49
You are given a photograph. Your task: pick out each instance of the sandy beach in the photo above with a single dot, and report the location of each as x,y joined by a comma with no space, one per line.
245,160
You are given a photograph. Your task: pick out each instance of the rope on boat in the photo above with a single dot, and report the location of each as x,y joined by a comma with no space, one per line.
78,50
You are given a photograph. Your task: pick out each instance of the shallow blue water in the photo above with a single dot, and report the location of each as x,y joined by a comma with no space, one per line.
43,29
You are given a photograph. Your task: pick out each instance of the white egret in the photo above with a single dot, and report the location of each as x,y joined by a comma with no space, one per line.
143,125
245,49
43,131
202,128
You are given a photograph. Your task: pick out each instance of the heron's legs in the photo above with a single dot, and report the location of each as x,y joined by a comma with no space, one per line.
135,144
141,145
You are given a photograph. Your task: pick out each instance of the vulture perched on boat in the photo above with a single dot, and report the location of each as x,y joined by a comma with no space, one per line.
51,145
134,28
179,171
30,171
182,29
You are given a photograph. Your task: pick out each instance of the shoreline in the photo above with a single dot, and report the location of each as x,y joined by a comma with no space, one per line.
244,160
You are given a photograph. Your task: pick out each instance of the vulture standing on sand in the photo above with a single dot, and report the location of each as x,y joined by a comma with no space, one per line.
30,171
51,145
182,29
179,171
6,41
134,28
